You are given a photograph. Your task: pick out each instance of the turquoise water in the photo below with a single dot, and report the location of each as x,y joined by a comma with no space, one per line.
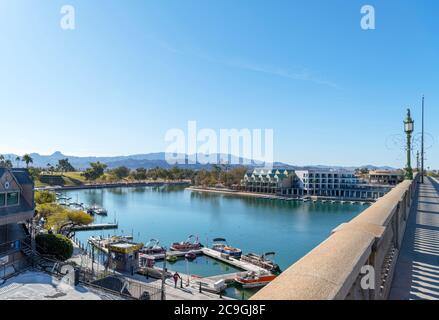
169,214
201,266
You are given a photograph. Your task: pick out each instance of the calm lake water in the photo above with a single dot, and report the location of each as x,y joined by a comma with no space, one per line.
170,214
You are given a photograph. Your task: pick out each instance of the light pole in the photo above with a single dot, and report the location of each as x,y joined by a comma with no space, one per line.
422,143
417,161
408,128
163,295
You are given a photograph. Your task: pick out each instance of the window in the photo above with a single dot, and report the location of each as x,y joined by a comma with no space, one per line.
12,199
2,199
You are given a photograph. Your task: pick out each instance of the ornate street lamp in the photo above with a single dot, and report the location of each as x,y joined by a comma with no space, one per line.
408,128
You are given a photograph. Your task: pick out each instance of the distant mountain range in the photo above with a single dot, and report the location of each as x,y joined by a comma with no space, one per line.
158,159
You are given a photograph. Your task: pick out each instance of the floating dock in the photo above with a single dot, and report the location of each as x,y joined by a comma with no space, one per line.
232,261
100,226
160,256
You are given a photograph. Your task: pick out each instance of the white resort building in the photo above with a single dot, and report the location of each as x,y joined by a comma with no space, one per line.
326,183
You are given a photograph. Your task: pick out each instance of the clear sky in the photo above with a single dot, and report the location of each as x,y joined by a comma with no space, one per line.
131,70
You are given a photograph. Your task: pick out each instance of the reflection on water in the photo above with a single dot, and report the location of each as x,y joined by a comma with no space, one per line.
202,266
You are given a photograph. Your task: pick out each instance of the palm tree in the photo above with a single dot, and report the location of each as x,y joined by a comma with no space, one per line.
27,159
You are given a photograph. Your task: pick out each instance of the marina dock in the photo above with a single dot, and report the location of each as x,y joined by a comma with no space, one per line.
160,256
100,226
232,261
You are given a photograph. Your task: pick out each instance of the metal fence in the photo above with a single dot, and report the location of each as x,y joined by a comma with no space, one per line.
10,262
108,281
119,284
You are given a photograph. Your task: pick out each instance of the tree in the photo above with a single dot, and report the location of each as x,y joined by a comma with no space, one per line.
34,173
139,174
95,171
5,163
121,172
27,159
44,196
45,210
50,168
65,221
65,166
54,244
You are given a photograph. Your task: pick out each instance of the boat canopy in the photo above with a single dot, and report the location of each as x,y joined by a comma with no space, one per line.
152,243
219,239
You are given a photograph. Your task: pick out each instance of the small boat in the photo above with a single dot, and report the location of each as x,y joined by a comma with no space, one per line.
153,247
190,255
187,245
75,206
220,245
262,261
99,241
171,259
254,280
94,209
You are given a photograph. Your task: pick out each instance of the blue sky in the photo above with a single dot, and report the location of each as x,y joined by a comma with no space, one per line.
332,92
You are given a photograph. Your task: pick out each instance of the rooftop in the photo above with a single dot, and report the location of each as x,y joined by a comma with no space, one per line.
36,285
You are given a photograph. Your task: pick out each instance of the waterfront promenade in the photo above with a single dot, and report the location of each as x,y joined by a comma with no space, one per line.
417,269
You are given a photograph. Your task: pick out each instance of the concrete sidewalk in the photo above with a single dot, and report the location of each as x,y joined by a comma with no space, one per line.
417,270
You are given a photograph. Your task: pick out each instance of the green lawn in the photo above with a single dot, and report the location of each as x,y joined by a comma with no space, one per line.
69,179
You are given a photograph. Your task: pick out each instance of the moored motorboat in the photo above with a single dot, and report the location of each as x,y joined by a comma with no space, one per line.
153,247
191,243
220,245
253,279
262,261
171,259
190,255
94,209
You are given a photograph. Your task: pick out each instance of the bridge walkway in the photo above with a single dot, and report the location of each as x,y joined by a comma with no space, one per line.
417,269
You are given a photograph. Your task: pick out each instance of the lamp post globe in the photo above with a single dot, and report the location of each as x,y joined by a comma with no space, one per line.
408,128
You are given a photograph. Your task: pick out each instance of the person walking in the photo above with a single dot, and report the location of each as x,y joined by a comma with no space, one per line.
176,276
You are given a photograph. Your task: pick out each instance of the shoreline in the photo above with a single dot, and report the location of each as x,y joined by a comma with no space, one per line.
113,185
238,193
276,197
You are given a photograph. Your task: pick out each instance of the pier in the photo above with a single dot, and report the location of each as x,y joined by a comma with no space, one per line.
98,226
232,261
161,256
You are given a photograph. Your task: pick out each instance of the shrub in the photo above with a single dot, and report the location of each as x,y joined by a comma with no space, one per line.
42,197
54,244
47,209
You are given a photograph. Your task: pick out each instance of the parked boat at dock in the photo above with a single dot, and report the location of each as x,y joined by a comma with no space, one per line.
220,245
104,243
171,259
262,261
254,279
95,209
191,243
190,255
153,247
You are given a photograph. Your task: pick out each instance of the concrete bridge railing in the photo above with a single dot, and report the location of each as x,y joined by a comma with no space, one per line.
358,259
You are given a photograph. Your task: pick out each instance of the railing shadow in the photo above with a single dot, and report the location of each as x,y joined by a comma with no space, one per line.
424,246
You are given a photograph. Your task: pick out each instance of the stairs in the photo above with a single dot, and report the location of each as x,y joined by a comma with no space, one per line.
35,257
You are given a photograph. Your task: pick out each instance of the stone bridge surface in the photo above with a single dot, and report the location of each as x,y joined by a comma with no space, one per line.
417,269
